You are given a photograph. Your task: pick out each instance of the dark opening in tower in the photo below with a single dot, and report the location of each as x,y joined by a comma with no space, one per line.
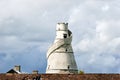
65,35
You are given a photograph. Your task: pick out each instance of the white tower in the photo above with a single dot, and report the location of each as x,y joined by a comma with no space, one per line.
60,55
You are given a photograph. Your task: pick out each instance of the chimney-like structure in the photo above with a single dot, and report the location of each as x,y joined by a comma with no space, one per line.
17,68
60,57
35,72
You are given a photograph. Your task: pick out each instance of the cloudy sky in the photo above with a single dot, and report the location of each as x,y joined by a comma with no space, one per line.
27,29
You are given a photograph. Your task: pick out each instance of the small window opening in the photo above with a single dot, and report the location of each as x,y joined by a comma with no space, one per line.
66,50
65,35
68,66
58,29
49,67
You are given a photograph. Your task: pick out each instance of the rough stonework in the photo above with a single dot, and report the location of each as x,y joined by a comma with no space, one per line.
59,76
60,55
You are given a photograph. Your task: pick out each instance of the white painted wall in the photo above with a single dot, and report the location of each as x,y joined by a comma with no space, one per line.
60,57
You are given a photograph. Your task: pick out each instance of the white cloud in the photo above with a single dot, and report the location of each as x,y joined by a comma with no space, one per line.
84,45
96,35
105,8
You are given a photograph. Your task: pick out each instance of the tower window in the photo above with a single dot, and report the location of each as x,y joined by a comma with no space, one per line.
66,50
68,66
65,35
58,29
48,66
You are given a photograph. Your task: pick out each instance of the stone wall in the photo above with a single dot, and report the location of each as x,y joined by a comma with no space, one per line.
59,76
